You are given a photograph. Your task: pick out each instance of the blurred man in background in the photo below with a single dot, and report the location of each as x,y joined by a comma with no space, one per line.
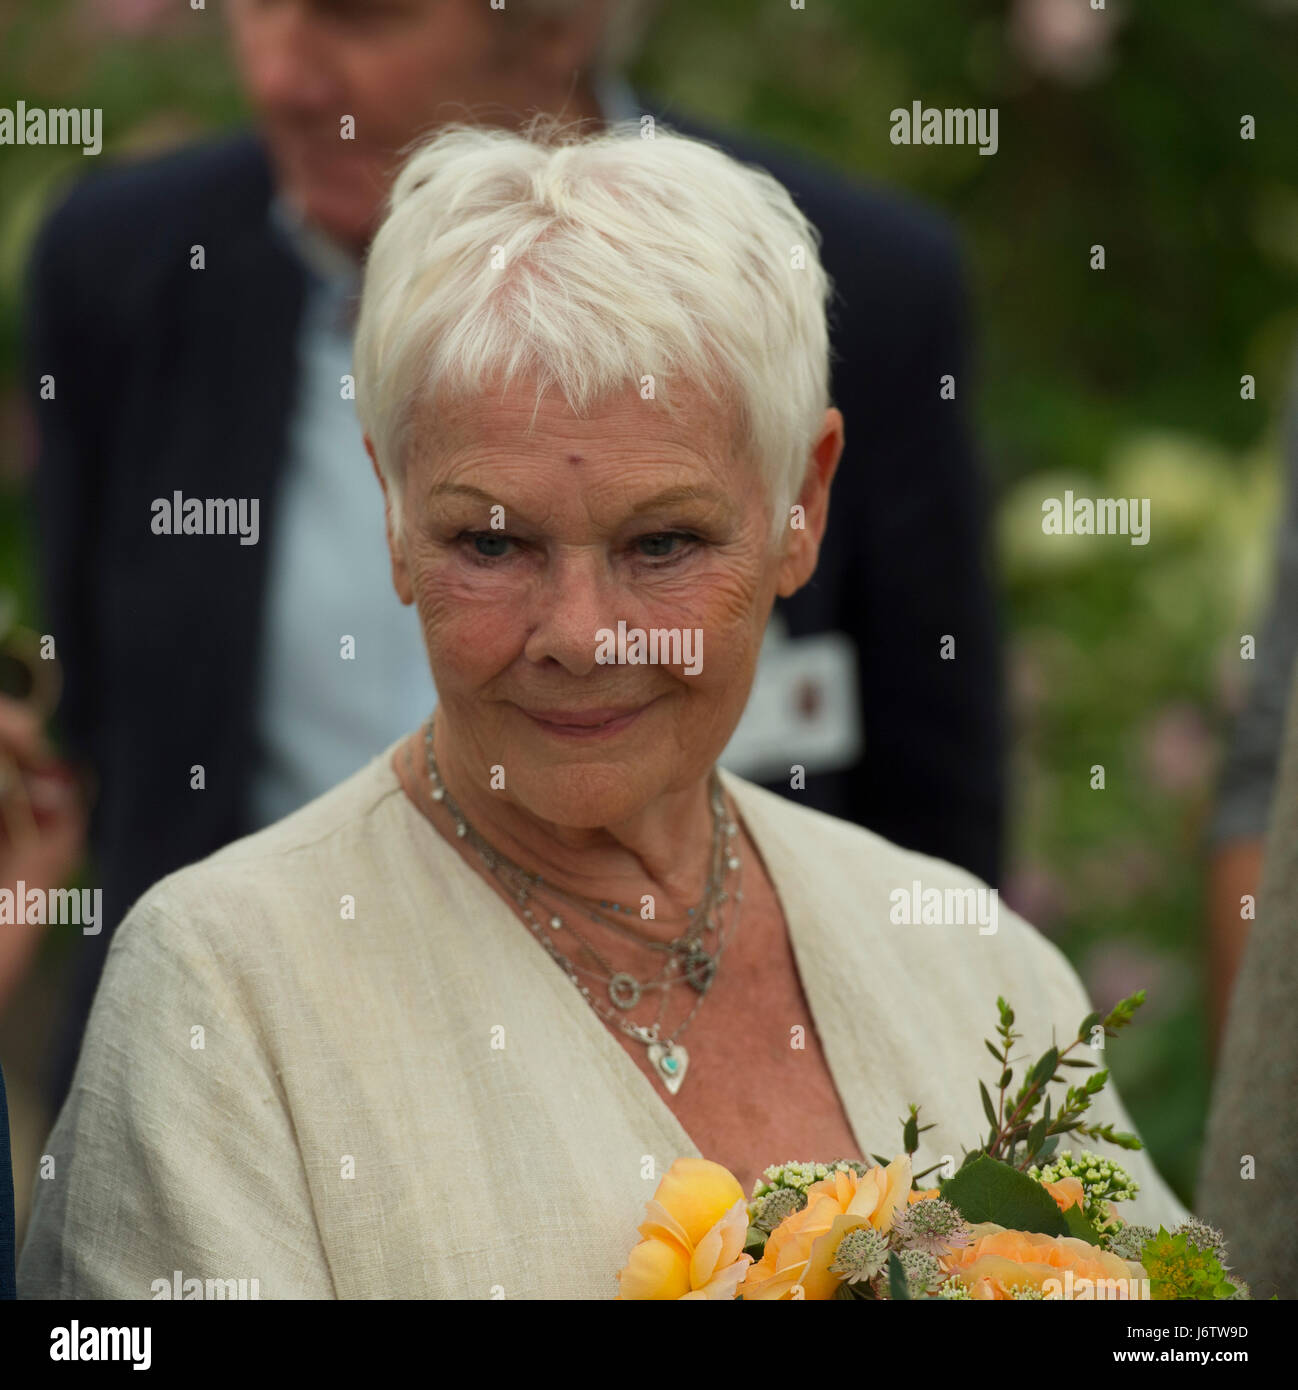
195,312
1248,1175
1248,781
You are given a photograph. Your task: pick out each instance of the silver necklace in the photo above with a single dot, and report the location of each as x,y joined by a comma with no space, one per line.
687,958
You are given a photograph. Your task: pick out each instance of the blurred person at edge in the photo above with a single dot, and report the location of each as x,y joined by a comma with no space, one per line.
42,826
1247,787
199,652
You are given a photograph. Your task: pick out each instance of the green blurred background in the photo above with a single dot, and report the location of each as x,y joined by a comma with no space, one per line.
1121,128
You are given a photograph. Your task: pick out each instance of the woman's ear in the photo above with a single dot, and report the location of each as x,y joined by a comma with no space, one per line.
396,548
811,513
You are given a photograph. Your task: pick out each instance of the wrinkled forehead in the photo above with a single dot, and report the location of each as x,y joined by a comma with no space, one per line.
516,422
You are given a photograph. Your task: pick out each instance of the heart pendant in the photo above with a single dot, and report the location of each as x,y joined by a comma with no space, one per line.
670,1062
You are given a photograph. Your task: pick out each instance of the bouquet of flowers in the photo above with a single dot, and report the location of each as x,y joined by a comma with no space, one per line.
1020,1218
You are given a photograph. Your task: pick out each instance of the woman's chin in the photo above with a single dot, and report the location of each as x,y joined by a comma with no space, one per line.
588,796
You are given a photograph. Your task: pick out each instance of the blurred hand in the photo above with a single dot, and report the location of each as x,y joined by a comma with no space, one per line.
42,829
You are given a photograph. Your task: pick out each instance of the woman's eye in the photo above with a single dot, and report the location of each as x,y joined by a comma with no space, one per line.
660,547
487,545
664,545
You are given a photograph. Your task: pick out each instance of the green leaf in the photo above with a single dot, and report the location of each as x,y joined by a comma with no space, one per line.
995,1052
1006,1078
881,1161
755,1243
1074,1062
1089,1022
988,1108
989,1190
1036,1136
1111,1136
1121,1013
910,1135
897,1286
1044,1068
1079,1225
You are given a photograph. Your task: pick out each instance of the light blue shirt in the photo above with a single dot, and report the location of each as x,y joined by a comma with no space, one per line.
322,714
343,667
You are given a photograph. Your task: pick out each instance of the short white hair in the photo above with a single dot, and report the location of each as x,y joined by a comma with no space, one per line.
589,263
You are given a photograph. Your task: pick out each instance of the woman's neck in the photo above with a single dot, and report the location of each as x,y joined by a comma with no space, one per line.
666,851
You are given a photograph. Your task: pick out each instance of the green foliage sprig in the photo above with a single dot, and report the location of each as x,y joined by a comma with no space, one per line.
1018,1139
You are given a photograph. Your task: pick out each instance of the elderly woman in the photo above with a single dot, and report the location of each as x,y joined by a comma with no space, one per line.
439,1033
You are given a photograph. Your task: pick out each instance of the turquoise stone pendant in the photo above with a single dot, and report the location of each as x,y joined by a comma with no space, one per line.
670,1062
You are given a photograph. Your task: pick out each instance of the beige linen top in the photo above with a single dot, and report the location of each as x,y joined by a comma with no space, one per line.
415,1101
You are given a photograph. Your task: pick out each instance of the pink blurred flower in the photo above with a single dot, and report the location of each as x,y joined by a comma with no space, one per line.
1233,677
132,19
17,437
1116,969
1117,875
1065,39
1141,867
1036,894
1178,753
1027,680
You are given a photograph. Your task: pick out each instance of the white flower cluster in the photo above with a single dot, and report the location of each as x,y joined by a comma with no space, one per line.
802,1175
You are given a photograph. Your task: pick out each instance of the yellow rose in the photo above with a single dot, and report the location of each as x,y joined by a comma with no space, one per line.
795,1263
996,1258
694,1233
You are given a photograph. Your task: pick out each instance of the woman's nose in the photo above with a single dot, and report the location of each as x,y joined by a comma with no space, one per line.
569,605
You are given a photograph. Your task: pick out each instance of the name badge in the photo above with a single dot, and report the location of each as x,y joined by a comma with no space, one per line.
804,708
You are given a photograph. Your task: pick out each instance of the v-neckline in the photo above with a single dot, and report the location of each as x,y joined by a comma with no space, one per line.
793,903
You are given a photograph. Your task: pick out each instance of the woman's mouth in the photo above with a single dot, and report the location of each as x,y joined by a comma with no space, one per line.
585,723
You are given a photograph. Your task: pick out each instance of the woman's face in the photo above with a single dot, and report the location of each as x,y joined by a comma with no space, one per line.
524,549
